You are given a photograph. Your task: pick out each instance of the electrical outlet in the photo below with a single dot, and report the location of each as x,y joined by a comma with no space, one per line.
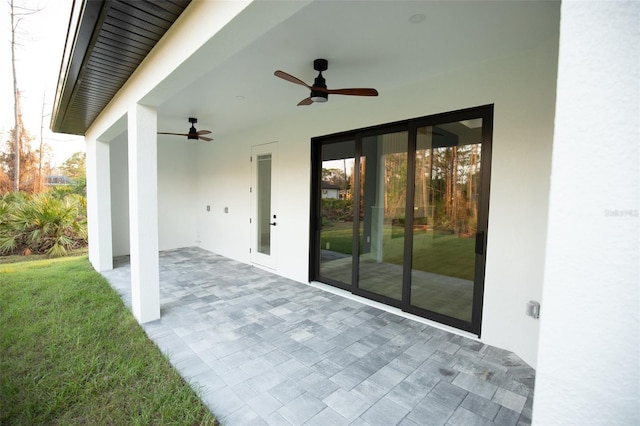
533,309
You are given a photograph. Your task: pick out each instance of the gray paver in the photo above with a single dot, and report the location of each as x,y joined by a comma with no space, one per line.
264,404
301,409
346,404
385,412
510,400
447,394
475,385
506,417
464,417
286,391
327,417
244,417
318,385
430,412
369,391
481,406
265,350
408,394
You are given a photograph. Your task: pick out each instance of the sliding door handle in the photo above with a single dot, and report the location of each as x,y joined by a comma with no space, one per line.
480,243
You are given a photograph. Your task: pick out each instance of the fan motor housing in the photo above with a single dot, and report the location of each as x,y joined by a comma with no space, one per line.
316,95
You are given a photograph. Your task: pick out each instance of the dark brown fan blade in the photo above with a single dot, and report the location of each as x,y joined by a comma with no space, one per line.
283,75
203,132
353,92
174,134
305,101
204,138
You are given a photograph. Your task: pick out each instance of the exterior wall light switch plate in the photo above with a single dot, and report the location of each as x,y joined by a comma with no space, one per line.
533,309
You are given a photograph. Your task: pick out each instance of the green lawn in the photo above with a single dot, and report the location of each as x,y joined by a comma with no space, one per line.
17,258
72,353
444,254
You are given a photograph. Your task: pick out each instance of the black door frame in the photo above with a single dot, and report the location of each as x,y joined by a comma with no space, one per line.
484,112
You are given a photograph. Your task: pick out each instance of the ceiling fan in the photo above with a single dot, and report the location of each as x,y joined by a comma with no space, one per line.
319,91
193,133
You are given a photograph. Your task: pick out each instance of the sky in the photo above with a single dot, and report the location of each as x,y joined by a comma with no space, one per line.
42,37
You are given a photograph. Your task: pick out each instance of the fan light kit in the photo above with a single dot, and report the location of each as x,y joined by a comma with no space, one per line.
193,133
319,91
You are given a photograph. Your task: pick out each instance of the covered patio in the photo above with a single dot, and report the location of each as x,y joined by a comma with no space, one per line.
264,349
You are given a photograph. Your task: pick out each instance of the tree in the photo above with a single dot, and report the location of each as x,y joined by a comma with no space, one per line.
18,13
334,176
74,166
5,183
27,174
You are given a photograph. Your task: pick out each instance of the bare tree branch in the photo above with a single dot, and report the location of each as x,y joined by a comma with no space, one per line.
18,13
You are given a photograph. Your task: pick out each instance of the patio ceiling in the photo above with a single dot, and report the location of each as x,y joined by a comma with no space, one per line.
380,44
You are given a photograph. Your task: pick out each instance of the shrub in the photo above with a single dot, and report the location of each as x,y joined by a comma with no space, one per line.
337,210
42,223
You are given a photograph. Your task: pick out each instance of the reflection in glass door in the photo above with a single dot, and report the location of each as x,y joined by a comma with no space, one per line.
264,203
445,204
336,212
382,202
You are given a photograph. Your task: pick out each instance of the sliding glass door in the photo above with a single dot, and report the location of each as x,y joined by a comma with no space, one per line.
445,205
400,214
382,201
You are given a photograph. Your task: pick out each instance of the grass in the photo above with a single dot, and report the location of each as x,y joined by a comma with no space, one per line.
72,353
443,254
17,258
337,236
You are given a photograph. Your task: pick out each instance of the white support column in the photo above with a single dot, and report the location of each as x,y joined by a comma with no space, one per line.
589,350
143,213
99,204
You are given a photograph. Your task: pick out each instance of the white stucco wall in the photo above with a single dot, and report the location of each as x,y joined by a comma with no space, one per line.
523,91
589,358
176,194
119,195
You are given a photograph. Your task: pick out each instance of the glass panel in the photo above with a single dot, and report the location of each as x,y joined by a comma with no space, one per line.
383,189
445,203
336,229
264,204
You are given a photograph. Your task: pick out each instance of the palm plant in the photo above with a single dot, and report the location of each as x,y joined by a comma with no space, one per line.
42,223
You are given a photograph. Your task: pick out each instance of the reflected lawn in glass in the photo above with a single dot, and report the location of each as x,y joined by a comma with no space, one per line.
438,253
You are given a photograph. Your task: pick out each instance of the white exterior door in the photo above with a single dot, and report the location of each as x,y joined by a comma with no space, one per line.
264,219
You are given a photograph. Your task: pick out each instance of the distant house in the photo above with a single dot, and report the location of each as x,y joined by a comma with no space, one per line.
330,191
53,181
512,129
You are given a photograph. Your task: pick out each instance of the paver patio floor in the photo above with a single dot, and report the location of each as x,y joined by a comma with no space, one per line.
266,350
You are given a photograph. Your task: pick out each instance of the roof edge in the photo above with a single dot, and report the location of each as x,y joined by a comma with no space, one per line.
87,15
